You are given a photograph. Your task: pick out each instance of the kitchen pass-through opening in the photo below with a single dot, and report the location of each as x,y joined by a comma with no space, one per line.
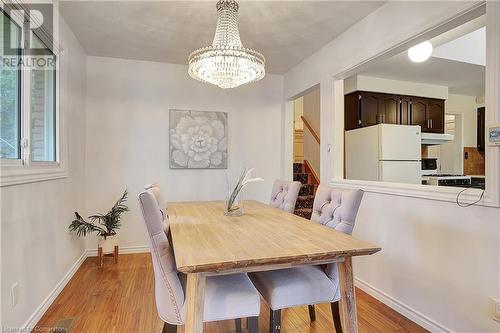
418,117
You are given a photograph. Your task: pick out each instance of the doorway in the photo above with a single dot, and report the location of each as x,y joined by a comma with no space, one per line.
306,148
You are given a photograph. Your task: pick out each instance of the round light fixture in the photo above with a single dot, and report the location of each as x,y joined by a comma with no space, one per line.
420,52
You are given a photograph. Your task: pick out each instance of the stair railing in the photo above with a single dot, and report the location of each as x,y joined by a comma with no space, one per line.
309,127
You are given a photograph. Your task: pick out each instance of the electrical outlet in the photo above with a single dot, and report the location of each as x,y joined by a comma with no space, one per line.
495,309
13,294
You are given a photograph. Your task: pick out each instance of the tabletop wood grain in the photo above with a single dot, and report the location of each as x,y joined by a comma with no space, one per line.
205,240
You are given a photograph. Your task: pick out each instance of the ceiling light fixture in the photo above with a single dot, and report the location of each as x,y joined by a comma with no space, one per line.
226,63
420,52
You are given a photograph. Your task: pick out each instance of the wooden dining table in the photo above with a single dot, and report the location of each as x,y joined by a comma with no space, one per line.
206,242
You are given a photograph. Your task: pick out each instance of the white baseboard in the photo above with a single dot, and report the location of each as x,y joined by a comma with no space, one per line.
47,302
123,250
402,308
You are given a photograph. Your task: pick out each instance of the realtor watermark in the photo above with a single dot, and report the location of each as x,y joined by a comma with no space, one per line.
28,35
34,329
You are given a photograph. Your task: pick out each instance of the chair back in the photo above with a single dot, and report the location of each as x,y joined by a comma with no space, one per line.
337,209
169,293
284,195
155,188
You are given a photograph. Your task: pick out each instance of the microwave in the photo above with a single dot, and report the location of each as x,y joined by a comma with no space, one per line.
429,164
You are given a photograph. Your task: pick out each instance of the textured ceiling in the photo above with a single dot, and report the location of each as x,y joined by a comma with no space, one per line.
286,32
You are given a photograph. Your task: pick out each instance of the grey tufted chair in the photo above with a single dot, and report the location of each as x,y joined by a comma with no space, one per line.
162,204
336,208
309,285
229,296
284,195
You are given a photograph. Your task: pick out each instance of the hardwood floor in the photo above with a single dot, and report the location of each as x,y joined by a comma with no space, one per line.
120,298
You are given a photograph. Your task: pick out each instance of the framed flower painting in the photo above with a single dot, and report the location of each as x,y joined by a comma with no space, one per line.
198,139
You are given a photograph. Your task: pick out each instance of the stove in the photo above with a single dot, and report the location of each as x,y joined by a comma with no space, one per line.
446,180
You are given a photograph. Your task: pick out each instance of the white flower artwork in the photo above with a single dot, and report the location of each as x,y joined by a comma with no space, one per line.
198,139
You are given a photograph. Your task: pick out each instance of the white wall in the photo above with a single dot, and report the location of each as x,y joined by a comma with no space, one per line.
37,248
451,154
311,110
440,261
437,258
298,112
467,107
128,106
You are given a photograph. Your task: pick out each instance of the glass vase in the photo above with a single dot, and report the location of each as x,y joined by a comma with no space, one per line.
233,205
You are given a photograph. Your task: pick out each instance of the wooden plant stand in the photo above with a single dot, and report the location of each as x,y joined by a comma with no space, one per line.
100,256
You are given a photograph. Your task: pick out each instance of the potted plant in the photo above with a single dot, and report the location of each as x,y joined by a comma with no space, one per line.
104,225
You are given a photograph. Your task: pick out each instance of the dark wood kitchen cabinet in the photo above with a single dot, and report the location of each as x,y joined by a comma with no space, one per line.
419,108
364,109
405,110
435,116
368,108
390,109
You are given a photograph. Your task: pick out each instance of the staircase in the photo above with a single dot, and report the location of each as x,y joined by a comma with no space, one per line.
305,200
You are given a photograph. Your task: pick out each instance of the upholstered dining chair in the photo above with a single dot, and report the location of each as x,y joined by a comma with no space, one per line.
230,296
309,285
155,188
284,195
162,204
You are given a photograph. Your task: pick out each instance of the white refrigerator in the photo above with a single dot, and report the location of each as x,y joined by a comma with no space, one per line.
384,152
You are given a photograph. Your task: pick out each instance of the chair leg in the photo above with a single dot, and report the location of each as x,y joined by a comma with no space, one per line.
253,324
237,323
336,317
275,321
168,328
312,312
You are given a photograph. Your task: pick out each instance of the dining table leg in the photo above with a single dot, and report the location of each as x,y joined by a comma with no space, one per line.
195,300
348,296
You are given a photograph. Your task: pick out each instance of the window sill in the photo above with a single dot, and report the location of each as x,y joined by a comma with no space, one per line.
16,175
428,192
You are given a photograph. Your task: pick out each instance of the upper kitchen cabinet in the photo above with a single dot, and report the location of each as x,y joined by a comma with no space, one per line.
435,116
368,108
405,110
419,110
390,109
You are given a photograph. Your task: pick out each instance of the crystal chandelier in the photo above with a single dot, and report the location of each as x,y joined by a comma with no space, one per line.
226,63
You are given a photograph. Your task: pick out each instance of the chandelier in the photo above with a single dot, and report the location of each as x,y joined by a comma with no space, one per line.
226,63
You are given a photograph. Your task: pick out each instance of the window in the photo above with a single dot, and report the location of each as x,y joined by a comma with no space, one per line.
29,119
10,95
42,101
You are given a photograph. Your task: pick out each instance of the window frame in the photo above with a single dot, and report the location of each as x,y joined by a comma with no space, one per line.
24,169
17,160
